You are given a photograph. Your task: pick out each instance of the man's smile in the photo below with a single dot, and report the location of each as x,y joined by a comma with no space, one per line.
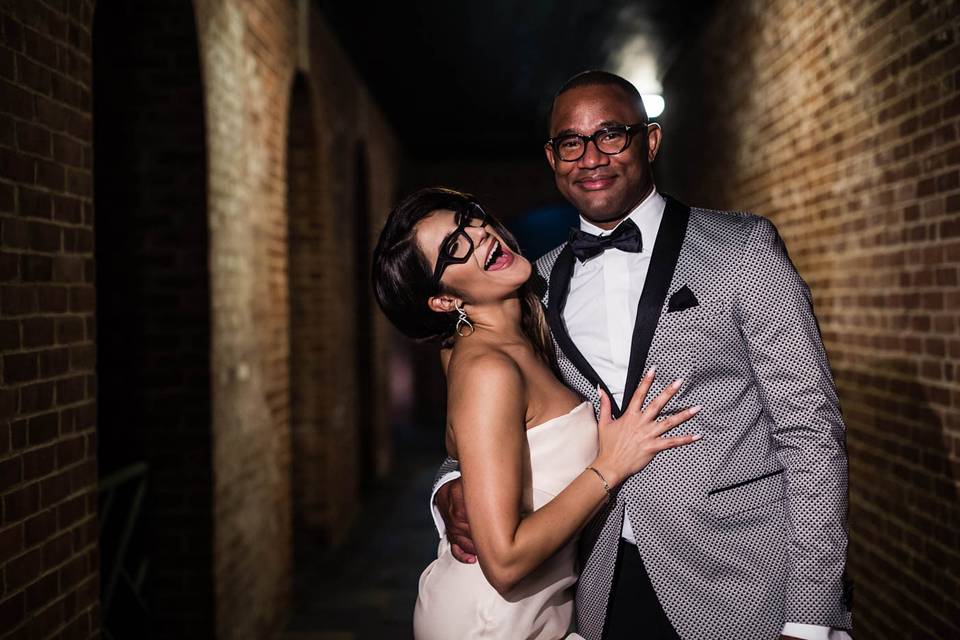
595,182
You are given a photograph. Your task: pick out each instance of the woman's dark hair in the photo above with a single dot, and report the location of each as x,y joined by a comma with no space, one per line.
403,277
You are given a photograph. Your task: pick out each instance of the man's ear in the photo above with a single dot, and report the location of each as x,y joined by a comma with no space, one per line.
444,303
654,137
551,159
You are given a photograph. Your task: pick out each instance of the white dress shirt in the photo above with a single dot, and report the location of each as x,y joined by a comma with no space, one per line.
599,314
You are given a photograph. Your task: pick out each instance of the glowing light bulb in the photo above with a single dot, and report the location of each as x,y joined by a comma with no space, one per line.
653,103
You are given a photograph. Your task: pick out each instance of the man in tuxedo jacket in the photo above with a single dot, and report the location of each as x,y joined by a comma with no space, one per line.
744,536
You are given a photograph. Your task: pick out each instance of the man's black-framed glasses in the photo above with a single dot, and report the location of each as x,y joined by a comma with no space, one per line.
611,140
458,246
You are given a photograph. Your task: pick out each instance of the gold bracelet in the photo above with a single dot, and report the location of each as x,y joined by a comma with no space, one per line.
606,487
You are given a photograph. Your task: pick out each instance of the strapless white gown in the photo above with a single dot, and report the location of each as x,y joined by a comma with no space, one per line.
456,601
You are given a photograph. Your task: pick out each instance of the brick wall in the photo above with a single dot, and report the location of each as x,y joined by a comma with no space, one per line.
331,463
48,532
192,269
249,58
839,121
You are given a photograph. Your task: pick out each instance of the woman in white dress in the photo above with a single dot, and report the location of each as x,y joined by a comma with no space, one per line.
535,463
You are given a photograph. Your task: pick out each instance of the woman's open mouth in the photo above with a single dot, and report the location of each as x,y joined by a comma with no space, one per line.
498,258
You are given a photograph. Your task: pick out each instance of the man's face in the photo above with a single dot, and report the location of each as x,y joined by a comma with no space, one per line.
603,188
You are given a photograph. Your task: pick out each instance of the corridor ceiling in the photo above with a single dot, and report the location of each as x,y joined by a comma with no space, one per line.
475,77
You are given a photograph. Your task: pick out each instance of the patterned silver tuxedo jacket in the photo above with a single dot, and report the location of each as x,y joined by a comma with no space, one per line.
745,529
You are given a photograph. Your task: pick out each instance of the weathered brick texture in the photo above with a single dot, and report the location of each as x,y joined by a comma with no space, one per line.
48,471
839,121
194,279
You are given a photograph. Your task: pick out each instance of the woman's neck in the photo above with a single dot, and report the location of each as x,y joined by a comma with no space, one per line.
500,320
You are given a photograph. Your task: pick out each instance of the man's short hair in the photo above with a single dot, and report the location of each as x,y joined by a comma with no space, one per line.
596,77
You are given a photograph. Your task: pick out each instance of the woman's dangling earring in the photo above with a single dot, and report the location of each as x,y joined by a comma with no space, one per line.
463,321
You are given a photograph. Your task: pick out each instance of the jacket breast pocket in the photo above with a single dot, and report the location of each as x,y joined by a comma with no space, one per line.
703,312
731,499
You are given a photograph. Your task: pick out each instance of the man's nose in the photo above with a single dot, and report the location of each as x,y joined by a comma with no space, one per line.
593,157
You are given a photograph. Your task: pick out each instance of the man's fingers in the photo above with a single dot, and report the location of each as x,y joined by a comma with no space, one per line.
464,542
640,395
461,556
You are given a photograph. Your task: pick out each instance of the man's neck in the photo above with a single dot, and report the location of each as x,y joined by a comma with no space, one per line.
612,224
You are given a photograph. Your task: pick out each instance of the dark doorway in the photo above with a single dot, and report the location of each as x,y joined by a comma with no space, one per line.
153,321
363,303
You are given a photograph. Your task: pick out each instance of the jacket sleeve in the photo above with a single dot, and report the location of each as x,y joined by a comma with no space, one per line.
798,393
448,471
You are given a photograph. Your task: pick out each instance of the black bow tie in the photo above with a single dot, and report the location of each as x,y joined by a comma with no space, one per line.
625,237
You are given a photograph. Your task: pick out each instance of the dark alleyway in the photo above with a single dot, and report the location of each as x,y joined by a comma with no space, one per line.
365,589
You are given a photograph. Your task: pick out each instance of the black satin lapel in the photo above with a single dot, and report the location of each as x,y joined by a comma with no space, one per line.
559,288
663,261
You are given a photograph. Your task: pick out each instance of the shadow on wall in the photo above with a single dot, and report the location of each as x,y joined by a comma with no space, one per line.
153,317
903,496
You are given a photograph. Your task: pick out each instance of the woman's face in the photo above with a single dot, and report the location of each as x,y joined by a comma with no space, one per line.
491,272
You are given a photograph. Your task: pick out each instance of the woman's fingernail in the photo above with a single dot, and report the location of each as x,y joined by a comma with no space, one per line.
651,371
696,409
696,437
677,383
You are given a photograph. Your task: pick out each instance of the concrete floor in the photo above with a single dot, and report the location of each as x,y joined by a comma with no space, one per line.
366,588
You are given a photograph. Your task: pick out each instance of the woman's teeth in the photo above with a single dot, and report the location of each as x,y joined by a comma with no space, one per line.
493,255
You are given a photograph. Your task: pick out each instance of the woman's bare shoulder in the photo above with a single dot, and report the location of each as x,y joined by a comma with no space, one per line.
474,364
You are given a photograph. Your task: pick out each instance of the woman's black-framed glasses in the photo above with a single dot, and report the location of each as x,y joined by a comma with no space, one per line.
458,246
612,140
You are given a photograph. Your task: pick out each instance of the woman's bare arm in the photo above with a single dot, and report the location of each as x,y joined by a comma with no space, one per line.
487,409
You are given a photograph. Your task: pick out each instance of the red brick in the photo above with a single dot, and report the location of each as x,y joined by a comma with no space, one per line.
69,329
52,299
16,101
67,209
51,175
36,204
38,332
42,428
36,397
34,140
7,64
81,298
11,472
17,166
54,362
54,489
57,550
11,544
12,611
39,527
40,48
71,390
39,462
7,198
19,367
71,451
21,503
43,236
42,591
83,358
9,335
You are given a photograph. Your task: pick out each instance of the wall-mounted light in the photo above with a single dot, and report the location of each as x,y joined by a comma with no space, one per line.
653,103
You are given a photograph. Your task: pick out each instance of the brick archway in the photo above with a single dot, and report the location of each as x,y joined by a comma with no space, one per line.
153,319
